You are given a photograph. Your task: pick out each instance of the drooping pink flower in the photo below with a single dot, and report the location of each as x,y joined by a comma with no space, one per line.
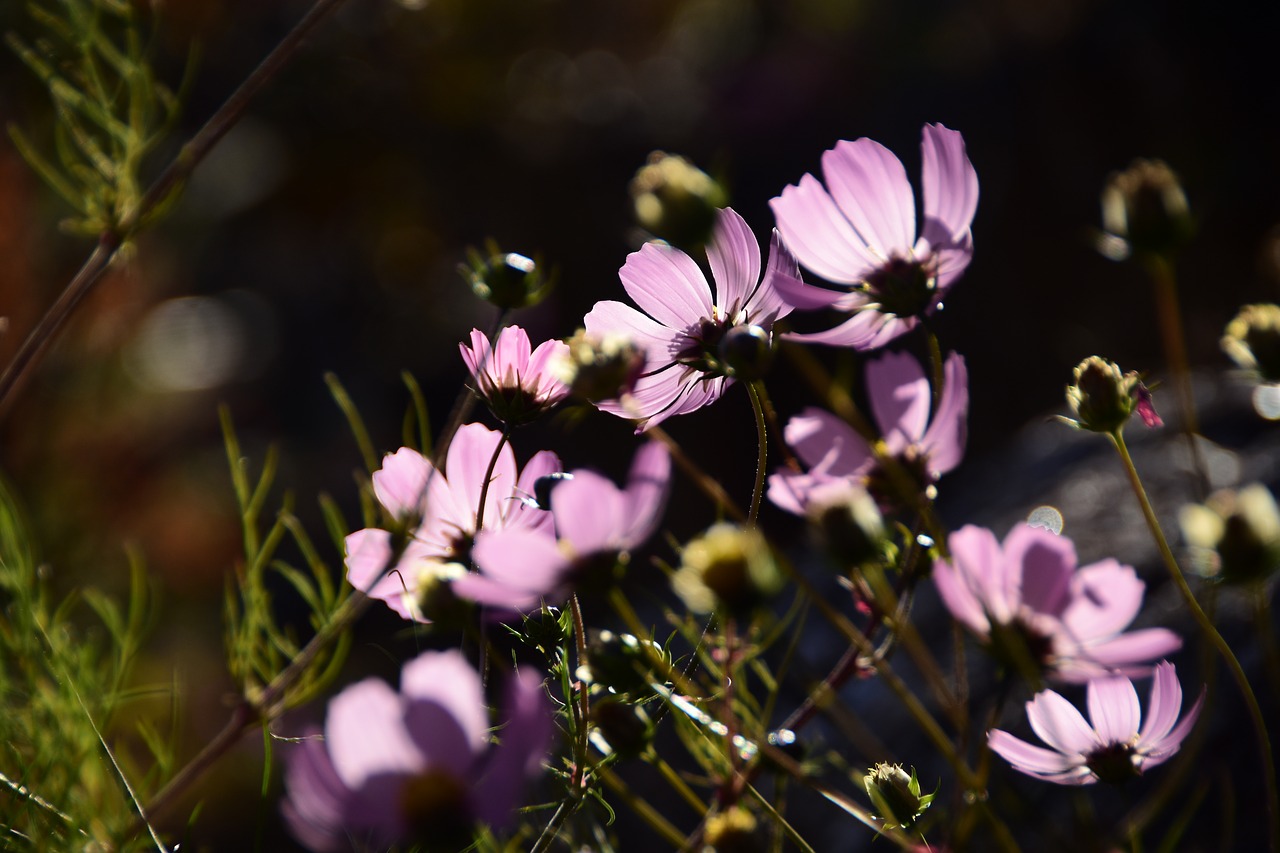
1070,621
517,383
1112,749
446,506
594,519
680,328
860,231
900,398
418,764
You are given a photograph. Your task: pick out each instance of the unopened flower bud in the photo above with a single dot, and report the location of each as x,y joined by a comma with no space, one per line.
676,201
599,367
1238,531
727,566
747,352
734,830
622,663
848,522
1144,211
504,279
1252,340
896,794
625,727
431,599
1102,397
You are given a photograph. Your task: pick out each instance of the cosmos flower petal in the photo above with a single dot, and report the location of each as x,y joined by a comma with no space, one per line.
734,257
1114,709
590,512
864,331
1164,705
366,735
400,484
870,187
446,714
980,562
317,799
950,185
1057,722
1045,564
648,484
522,746
1029,758
813,227
527,562
944,441
657,341
1126,650
825,442
470,455
958,597
950,262
766,303
667,285
1170,743
900,398
1105,598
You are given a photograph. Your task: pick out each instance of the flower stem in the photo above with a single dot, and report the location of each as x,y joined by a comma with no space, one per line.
178,170
762,452
1211,634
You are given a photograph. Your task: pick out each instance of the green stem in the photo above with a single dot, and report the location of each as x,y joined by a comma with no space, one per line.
1211,634
762,452
488,478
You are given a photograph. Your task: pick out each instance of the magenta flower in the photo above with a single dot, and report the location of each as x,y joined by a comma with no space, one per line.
595,521
900,398
445,506
517,383
680,328
1114,749
418,764
1070,621
860,231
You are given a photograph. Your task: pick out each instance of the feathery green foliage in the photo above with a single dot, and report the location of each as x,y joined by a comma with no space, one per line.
110,112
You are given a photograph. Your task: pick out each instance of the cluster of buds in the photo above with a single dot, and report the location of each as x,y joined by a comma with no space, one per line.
1102,397
728,567
1235,534
1144,212
676,201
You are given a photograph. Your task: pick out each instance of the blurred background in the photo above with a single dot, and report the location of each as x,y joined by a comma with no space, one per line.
323,234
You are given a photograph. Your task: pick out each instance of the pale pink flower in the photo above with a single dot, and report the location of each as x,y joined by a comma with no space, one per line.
1112,749
517,383
860,231
1070,620
445,505
595,522
900,398
680,328
417,764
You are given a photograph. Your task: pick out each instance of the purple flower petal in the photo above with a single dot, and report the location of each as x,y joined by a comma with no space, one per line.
767,304
900,399
1114,709
1164,706
366,734
522,747
401,483
648,484
1026,757
945,440
817,231
870,187
1105,598
667,285
958,597
734,257
950,186
446,715
1057,722
1135,647
316,803
1045,562
658,341
826,443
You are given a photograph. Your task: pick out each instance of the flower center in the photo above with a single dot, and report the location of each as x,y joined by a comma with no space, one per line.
1114,763
702,347
434,805
903,288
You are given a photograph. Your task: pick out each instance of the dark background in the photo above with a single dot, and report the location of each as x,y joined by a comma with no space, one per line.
327,227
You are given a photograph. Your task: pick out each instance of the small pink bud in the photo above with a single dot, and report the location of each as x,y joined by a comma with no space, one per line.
1146,409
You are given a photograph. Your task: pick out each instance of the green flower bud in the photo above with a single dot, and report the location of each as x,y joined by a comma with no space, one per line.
1234,535
1252,340
848,524
622,663
727,566
734,830
1102,398
747,352
625,727
896,795
599,368
1144,212
504,279
676,201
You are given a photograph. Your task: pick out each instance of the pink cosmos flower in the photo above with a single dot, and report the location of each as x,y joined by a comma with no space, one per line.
595,521
900,397
860,231
1113,749
517,383
680,327
1071,620
446,505
418,764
